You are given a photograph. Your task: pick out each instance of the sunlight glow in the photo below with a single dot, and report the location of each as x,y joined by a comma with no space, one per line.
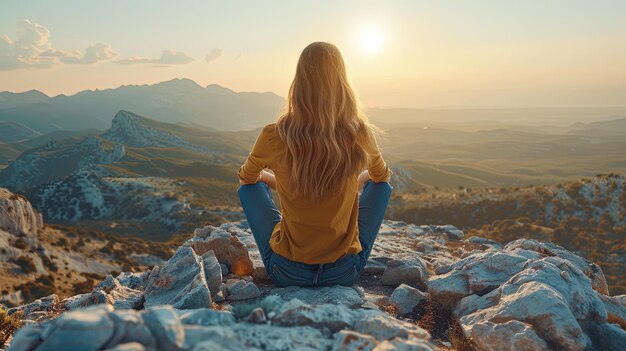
371,39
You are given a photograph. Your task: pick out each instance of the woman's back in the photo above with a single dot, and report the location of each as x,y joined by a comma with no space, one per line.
317,231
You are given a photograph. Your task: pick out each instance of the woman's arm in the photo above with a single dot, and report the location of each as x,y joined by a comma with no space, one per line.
268,178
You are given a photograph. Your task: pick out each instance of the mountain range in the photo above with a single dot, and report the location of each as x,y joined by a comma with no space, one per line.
174,101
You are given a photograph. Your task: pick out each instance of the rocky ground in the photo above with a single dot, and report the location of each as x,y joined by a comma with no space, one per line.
425,288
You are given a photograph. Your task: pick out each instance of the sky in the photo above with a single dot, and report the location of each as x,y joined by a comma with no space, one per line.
480,53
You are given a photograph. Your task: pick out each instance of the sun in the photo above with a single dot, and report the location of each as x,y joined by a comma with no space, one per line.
371,39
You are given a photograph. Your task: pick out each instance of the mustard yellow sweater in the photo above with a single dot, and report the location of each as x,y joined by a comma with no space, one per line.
311,233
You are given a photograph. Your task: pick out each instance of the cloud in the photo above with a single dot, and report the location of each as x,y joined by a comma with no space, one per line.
213,55
168,57
32,49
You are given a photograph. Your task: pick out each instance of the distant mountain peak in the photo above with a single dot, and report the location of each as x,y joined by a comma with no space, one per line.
181,83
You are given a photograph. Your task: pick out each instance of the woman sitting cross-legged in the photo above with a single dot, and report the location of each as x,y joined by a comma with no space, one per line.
321,152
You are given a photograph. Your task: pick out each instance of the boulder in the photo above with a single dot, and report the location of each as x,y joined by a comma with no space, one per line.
405,298
87,329
549,309
227,247
182,281
239,289
411,271
590,269
166,327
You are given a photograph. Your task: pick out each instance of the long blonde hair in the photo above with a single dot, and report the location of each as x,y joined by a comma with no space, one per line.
325,132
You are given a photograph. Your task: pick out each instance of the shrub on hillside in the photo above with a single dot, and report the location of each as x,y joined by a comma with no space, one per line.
26,264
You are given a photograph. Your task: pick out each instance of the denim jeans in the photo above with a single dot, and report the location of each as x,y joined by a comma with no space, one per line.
262,216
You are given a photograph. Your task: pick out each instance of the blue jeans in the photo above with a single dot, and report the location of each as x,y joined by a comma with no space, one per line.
262,215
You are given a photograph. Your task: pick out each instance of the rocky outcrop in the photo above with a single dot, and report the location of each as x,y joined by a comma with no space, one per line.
531,293
525,295
17,215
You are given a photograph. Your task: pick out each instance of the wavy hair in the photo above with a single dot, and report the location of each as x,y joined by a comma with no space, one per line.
325,131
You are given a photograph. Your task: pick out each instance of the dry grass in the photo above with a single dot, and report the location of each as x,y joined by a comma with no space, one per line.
8,325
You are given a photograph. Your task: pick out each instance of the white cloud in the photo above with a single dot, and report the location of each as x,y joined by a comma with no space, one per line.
32,49
213,55
168,57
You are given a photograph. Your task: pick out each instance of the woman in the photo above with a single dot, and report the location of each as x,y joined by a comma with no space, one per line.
316,152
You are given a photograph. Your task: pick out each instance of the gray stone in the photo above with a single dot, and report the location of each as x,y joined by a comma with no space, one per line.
87,329
207,317
181,282
243,291
342,295
130,328
166,327
194,334
405,298
413,272
27,338
384,327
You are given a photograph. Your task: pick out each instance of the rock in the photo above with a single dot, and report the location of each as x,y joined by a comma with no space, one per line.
477,273
181,282
405,298
257,316
510,335
85,300
242,290
27,338
195,334
132,280
109,291
166,327
452,231
484,241
608,337
341,295
212,272
297,313
348,340
404,345
44,304
384,327
413,272
548,309
228,248
130,328
616,311
130,346
87,329
590,269
207,317
224,268
18,216
271,337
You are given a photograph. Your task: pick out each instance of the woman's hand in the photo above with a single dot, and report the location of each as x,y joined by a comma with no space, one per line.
363,178
267,178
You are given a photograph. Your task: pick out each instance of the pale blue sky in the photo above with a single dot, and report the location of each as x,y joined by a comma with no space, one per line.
432,53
